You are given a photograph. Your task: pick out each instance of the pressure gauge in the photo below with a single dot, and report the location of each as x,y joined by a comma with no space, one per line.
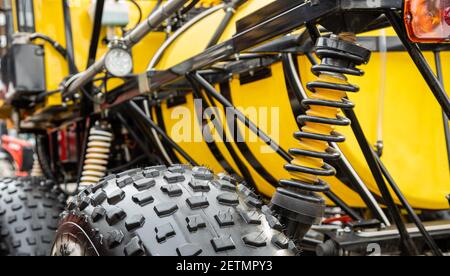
119,62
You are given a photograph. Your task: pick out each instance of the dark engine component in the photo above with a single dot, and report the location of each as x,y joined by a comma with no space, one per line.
23,73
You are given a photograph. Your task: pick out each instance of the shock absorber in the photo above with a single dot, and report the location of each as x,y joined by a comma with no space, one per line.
297,200
97,154
36,170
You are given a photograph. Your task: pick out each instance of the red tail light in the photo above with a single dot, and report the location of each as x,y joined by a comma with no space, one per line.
428,21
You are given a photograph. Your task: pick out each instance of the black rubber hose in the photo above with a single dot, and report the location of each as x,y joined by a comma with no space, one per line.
55,44
140,14
58,47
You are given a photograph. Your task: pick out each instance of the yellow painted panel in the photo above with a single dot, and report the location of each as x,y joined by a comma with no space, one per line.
412,121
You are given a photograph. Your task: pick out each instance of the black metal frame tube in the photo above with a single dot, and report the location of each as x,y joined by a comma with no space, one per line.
225,90
347,209
212,145
69,38
132,106
420,61
135,135
440,75
367,150
95,37
412,215
244,172
160,122
88,106
211,91
264,137
230,10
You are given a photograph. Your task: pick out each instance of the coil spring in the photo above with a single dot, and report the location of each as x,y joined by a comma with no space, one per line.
329,96
36,171
97,155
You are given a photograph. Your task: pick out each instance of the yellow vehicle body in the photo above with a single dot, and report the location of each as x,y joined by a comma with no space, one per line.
415,149
49,20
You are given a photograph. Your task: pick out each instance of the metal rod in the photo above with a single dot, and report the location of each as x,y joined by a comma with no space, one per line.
440,75
245,173
266,139
142,143
341,204
212,146
95,37
153,21
412,215
225,90
159,120
159,144
421,63
158,55
136,35
230,10
361,188
223,25
134,107
367,150
69,38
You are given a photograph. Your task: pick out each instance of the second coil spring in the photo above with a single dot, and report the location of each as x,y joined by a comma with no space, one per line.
97,155
329,96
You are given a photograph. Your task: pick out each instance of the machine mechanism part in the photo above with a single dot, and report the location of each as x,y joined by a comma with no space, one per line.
363,242
97,154
42,149
174,211
296,201
296,204
36,170
136,35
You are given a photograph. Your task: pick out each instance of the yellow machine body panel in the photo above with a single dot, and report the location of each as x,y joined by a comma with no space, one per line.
411,120
394,100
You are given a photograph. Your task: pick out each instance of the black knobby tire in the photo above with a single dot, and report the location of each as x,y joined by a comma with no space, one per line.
169,212
29,213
